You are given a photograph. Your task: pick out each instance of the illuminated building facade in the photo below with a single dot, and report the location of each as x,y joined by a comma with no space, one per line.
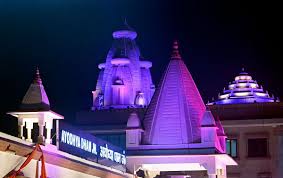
164,132
253,123
71,156
174,121
179,135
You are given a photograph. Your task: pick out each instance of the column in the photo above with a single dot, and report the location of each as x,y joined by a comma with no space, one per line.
278,156
221,173
48,126
210,166
211,175
21,124
29,126
41,124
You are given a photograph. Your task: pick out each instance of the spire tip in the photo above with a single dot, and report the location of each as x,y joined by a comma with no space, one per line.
175,53
37,76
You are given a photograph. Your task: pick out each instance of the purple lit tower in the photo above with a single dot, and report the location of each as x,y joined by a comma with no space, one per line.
244,90
124,80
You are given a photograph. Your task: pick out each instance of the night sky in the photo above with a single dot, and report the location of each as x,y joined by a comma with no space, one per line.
67,39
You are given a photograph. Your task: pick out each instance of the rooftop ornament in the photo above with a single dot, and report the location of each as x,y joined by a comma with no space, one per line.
244,90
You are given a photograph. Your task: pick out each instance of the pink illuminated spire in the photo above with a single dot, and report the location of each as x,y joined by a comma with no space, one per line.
175,53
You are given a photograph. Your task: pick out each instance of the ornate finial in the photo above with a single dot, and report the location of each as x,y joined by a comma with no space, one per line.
127,25
175,53
125,22
37,77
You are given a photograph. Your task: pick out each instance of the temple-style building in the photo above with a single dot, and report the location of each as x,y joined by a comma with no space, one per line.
124,79
19,156
253,123
172,122
133,129
179,136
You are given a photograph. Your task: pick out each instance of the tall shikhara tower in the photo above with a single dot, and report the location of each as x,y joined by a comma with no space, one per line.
177,133
124,80
175,113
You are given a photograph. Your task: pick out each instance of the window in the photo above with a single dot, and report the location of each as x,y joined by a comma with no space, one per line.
257,147
232,147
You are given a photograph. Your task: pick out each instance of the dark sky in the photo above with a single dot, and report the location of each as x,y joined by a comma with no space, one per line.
67,39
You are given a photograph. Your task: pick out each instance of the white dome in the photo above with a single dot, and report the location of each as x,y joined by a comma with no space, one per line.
133,120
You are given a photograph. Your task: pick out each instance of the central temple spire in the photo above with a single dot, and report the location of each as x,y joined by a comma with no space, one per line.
175,112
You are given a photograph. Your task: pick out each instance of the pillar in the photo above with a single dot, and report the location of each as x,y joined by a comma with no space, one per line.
210,166
211,175
29,126
48,126
41,124
221,173
21,124
278,157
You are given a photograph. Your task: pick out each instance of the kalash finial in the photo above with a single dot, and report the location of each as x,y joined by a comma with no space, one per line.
243,72
127,26
37,77
125,22
175,53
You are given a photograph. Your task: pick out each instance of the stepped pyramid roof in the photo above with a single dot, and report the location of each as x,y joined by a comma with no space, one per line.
244,90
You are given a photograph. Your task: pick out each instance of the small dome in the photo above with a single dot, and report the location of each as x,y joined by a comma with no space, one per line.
134,121
140,100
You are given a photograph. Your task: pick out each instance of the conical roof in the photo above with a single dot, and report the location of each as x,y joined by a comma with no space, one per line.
35,98
175,112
